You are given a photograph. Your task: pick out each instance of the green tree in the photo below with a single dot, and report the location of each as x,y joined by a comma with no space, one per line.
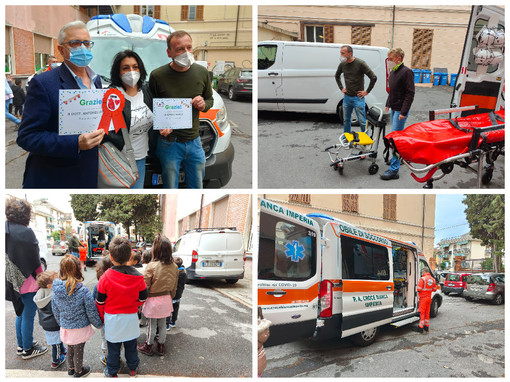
485,214
85,206
117,209
55,235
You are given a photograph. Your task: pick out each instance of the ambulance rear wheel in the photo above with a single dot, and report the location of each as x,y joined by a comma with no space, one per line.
366,337
373,169
434,307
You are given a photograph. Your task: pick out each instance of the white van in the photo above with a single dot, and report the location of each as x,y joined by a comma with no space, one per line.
147,37
300,76
481,77
321,277
212,253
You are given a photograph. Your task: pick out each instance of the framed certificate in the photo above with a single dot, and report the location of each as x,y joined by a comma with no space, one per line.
172,113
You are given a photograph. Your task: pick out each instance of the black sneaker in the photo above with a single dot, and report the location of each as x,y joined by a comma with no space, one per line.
85,370
19,350
35,351
389,175
426,328
70,371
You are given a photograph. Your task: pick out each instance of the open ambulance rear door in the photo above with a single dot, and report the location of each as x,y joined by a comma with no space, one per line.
288,272
481,77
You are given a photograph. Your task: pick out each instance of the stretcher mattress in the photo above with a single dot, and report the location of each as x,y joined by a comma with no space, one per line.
434,141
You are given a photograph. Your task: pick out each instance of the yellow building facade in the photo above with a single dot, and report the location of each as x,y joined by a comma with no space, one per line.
431,36
402,217
219,32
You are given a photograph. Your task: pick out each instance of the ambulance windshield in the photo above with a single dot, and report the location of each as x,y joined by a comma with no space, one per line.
152,52
286,250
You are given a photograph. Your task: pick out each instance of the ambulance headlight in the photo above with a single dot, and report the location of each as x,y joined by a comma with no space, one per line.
221,118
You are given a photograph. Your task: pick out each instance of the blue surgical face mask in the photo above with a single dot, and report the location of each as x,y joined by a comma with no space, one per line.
80,56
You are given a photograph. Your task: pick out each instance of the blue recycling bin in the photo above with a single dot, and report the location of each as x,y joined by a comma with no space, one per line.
444,79
437,78
426,76
453,79
417,76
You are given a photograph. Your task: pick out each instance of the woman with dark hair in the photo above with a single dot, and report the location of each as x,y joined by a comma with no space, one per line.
128,75
22,266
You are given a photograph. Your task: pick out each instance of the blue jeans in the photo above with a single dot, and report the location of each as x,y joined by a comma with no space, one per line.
396,125
57,351
113,357
190,154
8,115
358,105
25,322
141,174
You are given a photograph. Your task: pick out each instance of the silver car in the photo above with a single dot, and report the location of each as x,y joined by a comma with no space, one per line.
59,248
485,286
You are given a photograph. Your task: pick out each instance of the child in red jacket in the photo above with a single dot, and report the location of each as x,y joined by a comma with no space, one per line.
120,291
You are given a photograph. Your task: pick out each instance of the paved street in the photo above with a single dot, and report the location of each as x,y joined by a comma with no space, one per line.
239,115
466,340
291,152
213,336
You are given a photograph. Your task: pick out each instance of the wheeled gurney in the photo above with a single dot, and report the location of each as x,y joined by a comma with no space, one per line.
440,144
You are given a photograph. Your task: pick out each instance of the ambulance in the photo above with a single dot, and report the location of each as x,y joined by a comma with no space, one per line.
147,37
322,277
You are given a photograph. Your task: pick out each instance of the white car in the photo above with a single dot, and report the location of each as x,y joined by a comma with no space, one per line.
43,247
212,253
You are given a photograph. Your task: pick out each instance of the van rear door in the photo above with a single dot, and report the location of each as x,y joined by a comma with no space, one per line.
270,76
481,77
288,272
367,279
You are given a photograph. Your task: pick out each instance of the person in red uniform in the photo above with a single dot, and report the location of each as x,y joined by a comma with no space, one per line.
426,286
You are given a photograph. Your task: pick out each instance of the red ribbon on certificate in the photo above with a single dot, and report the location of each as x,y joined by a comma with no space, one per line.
113,104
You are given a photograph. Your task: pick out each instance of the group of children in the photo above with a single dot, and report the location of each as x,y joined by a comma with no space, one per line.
68,310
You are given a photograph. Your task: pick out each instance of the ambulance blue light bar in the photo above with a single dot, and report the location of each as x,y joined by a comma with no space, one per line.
323,216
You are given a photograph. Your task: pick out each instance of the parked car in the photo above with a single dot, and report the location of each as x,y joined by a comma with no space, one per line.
455,283
236,82
442,276
43,248
59,248
212,253
486,286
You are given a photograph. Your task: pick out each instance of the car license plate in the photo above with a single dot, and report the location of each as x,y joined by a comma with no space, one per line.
211,263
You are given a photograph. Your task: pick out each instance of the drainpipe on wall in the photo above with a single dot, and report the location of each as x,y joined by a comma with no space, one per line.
200,214
423,225
393,27
237,24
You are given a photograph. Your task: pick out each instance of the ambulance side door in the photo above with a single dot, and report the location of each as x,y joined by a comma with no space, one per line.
481,77
367,284
288,272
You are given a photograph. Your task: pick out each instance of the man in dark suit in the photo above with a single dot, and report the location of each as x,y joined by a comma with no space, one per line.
60,161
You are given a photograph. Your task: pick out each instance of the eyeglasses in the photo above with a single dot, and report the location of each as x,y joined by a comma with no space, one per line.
77,43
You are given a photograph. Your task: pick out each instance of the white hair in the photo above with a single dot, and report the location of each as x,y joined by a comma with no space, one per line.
73,24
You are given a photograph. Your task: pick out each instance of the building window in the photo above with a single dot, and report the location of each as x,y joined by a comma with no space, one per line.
361,35
300,198
350,203
40,60
422,48
314,33
8,59
390,207
147,10
192,13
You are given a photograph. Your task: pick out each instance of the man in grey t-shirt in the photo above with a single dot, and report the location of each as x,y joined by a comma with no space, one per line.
354,71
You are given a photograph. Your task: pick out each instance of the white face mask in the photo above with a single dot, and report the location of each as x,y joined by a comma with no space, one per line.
185,60
391,65
343,59
130,78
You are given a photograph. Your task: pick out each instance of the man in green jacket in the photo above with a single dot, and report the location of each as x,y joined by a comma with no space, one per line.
354,71
182,78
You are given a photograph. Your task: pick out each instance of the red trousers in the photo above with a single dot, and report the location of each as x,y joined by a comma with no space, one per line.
424,311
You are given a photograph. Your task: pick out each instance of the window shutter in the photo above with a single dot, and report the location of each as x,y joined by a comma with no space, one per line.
361,35
200,12
350,203
300,198
184,12
329,33
157,11
390,207
137,10
422,48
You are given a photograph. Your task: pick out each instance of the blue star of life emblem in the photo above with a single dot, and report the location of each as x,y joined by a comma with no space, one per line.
295,251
